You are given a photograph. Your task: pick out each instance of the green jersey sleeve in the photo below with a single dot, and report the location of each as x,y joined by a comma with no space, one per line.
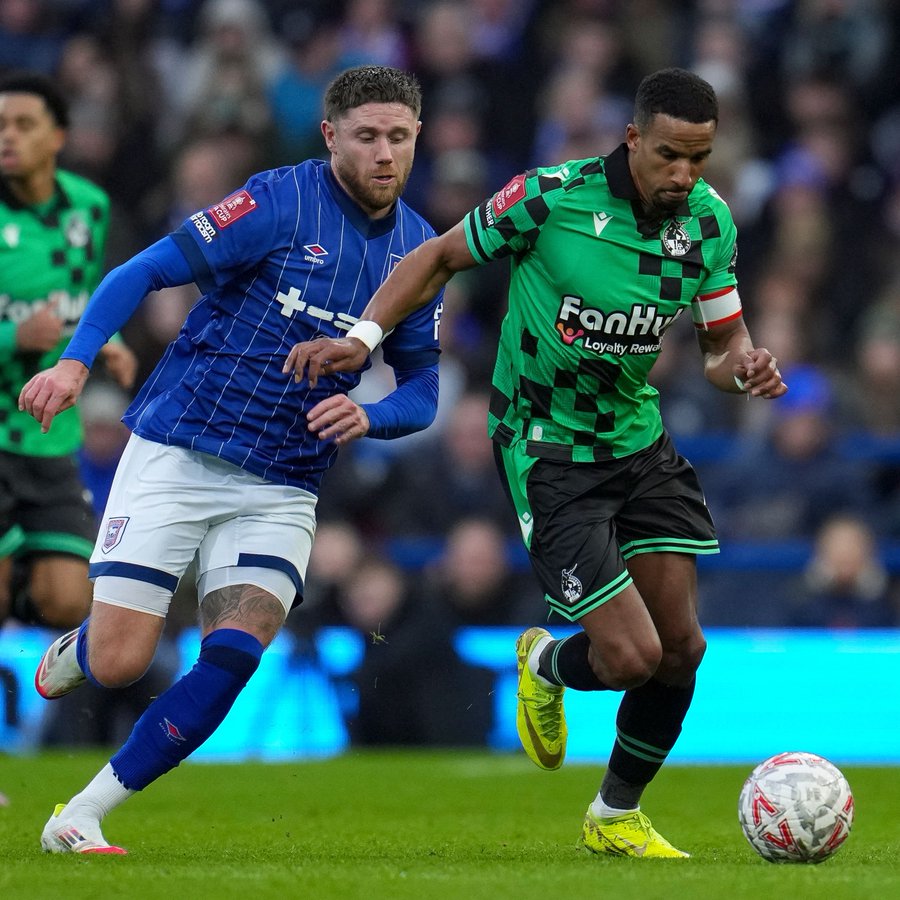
509,222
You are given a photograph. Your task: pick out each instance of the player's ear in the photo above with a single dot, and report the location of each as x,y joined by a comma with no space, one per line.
632,136
328,134
59,139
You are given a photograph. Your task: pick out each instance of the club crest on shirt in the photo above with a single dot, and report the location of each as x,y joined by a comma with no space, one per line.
115,528
77,231
675,239
232,208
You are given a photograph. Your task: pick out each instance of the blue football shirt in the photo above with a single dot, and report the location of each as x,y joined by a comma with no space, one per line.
288,258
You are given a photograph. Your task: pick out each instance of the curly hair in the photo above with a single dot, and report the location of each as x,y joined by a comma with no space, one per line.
371,84
677,93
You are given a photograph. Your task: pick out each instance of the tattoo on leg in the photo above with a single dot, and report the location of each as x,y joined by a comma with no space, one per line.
245,606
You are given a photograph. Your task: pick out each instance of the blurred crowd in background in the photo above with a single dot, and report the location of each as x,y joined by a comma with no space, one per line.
175,103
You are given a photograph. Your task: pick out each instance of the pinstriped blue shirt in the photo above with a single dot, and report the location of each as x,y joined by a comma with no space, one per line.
287,258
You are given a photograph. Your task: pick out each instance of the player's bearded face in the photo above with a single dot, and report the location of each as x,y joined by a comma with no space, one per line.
372,149
667,157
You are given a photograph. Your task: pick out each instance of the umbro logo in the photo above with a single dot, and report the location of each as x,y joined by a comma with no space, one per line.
601,220
314,254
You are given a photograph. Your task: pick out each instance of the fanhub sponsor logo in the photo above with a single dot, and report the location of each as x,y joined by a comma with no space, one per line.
637,330
69,307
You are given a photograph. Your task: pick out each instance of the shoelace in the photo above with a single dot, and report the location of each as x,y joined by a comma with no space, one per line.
546,708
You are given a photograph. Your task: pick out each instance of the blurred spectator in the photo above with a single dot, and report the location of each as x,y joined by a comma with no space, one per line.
449,478
845,584
459,182
139,54
315,55
585,101
371,30
474,582
806,479
30,36
848,39
409,662
102,406
337,553
228,72
498,28
876,400
87,77
577,120
447,63
822,217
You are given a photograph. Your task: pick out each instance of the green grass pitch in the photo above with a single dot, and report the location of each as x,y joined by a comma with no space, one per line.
429,825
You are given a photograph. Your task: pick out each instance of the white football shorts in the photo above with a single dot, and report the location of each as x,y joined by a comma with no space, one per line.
169,504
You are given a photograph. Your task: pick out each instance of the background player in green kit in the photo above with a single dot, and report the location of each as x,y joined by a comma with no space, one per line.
605,254
53,227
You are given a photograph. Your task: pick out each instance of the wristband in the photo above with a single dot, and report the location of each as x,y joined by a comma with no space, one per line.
368,332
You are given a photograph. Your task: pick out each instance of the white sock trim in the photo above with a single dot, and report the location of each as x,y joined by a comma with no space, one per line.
601,811
534,659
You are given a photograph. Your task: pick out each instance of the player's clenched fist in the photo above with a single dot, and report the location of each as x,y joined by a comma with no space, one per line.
53,390
323,356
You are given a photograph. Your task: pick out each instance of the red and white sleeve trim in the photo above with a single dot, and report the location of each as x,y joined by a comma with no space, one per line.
709,310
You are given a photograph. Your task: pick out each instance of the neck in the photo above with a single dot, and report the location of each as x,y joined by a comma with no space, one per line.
34,189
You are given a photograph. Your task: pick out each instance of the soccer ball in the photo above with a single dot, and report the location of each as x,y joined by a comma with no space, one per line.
796,807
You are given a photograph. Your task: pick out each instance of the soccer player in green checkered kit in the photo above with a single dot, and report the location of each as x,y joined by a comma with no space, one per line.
605,254
53,227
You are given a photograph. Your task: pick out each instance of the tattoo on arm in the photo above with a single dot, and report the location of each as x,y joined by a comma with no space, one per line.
243,606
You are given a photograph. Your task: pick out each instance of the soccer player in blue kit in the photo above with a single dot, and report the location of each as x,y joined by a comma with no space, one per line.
229,447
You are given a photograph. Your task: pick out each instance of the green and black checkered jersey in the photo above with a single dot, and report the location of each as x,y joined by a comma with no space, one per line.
593,287
51,252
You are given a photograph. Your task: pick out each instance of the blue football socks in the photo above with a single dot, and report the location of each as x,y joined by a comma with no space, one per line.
81,653
185,715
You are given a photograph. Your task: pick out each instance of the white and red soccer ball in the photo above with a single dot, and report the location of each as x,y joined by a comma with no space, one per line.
796,807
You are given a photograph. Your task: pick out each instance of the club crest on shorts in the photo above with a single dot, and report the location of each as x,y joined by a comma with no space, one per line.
115,528
571,586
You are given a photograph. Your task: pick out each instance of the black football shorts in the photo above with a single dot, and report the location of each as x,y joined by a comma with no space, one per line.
44,507
581,522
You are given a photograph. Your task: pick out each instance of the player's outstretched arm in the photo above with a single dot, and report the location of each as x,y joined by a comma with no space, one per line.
53,390
412,284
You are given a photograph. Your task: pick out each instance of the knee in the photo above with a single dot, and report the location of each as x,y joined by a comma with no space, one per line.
681,659
117,669
62,611
627,666
58,593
